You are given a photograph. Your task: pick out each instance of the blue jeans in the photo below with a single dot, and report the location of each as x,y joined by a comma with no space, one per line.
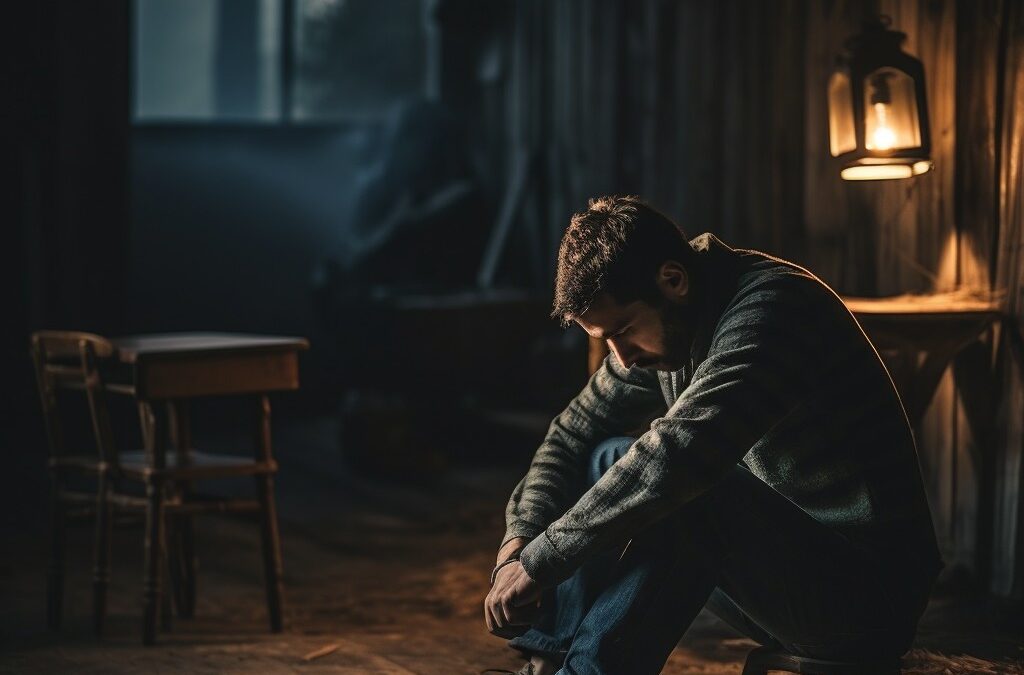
749,555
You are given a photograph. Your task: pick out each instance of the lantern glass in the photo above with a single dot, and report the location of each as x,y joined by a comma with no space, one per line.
841,135
890,111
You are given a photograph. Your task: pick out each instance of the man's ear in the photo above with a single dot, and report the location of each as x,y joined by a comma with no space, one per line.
674,282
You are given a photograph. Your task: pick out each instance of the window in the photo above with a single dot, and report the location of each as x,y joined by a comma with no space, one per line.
276,60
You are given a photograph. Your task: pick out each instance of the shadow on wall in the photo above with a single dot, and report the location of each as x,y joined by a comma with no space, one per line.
228,223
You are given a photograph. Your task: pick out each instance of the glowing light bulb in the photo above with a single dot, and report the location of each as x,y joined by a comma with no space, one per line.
883,137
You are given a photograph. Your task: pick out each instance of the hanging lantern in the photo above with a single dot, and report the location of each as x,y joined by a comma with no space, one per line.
877,110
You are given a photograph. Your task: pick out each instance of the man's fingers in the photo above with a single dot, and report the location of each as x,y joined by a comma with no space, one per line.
494,608
513,600
487,617
506,610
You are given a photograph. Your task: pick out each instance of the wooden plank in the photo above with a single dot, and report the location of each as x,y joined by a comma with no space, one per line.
895,203
933,249
839,216
976,189
1008,558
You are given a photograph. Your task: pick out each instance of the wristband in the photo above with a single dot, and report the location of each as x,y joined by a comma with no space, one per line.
494,572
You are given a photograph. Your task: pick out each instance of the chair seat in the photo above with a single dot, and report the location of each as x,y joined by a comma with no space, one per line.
762,660
134,464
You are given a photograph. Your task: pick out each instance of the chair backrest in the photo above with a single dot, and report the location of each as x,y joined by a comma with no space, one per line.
69,360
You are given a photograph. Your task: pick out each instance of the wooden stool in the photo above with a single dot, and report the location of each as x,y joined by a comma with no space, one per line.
764,659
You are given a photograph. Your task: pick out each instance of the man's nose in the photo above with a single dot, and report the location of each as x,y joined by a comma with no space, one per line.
626,356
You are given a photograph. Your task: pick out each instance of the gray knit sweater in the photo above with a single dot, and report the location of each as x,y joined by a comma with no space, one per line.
781,378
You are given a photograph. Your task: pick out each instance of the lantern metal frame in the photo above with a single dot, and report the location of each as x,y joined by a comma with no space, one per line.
874,48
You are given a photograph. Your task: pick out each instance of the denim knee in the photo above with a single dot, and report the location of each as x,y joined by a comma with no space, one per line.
605,454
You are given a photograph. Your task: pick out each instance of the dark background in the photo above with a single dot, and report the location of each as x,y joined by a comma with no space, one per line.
356,206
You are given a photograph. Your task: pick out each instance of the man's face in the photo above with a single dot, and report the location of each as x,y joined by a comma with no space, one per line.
641,334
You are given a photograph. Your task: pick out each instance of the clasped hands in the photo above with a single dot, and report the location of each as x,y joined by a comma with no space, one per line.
514,599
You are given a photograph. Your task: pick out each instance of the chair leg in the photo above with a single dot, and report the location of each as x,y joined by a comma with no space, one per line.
762,660
188,557
175,563
272,566
182,565
55,580
151,572
164,599
101,554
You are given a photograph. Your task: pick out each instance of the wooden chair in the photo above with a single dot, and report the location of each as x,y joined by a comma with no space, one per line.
74,361
762,660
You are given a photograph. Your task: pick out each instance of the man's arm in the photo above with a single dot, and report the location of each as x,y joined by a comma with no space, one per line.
755,374
614,400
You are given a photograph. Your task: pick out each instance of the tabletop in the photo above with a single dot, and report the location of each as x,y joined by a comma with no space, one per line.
185,365
951,304
132,348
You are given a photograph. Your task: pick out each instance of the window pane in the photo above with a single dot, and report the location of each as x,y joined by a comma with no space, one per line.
841,136
207,60
356,58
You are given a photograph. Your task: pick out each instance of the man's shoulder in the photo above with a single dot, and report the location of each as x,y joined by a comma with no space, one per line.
753,269
769,280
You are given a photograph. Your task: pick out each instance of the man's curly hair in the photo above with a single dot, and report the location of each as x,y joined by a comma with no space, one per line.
616,246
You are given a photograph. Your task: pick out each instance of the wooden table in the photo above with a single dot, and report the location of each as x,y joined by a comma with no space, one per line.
923,335
168,370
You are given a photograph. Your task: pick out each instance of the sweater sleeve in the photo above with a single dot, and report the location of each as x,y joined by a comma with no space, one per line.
750,380
614,400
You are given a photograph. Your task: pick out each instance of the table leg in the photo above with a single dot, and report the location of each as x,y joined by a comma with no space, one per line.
979,394
182,546
272,564
154,531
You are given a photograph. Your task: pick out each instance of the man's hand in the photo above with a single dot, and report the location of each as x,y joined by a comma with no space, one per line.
512,601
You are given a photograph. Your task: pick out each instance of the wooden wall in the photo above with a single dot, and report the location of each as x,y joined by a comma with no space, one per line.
1006,268
715,112
64,173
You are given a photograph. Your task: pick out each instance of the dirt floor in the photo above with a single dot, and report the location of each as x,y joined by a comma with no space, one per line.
379,577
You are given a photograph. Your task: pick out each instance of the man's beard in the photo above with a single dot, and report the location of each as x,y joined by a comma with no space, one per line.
677,323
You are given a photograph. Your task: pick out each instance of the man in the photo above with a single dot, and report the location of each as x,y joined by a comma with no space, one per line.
777,485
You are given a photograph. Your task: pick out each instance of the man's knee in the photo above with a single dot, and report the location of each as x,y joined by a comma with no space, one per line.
605,454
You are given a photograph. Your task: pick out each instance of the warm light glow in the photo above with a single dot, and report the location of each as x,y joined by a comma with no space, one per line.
883,137
876,172
921,167
946,273
841,135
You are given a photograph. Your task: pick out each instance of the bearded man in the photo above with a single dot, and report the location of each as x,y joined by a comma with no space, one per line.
741,448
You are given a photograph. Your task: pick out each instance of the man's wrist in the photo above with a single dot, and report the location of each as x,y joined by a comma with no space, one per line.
494,572
511,548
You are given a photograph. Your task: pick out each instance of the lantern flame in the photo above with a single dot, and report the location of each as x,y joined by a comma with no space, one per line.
883,137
